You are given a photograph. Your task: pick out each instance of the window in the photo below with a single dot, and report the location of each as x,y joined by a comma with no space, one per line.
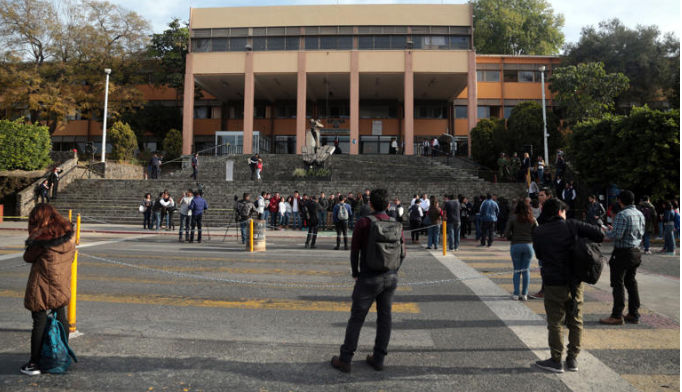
259,111
382,42
293,43
258,31
312,43
365,42
484,112
220,44
526,76
329,42
461,112
508,111
488,76
374,111
201,45
239,32
345,42
201,112
275,43
398,42
275,30
259,44
237,44
459,42
511,76
431,111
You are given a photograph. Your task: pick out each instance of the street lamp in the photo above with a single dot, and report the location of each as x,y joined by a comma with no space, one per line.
104,122
544,114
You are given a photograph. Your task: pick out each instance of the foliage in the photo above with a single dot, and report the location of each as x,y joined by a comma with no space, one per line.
53,55
649,59
319,172
640,152
123,142
525,127
170,48
24,146
154,119
299,173
483,143
172,145
586,91
517,27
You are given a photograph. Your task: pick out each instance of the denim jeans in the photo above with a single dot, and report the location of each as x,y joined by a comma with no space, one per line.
433,237
196,222
243,227
478,223
367,290
147,220
669,238
487,230
184,222
157,220
266,216
521,255
453,234
296,221
286,218
624,263
322,218
645,241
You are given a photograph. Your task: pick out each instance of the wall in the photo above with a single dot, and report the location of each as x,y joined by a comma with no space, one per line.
123,171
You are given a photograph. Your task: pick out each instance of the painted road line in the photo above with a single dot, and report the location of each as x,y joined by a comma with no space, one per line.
589,307
11,256
509,287
654,382
218,259
594,375
235,303
98,243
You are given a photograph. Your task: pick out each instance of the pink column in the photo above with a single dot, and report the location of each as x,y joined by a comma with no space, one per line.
248,105
354,102
301,96
472,97
409,104
188,107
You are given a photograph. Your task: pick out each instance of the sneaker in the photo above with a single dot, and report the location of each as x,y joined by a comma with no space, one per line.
550,365
523,298
647,252
571,364
670,254
337,364
631,319
30,369
612,321
538,295
515,297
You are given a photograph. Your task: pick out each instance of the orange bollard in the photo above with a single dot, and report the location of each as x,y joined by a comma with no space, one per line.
251,235
445,238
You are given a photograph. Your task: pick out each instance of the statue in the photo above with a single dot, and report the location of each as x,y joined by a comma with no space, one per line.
313,152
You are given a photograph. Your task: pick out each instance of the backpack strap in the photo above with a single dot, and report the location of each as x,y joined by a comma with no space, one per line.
569,270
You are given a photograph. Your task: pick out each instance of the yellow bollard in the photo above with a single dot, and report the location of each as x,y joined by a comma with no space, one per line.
70,220
251,235
74,287
445,238
78,229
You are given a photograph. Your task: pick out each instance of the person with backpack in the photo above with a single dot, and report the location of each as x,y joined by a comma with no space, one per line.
553,243
377,252
50,250
244,211
626,233
313,217
595,211
340,216
650,222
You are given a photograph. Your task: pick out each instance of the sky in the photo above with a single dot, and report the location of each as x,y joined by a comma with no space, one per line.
577,13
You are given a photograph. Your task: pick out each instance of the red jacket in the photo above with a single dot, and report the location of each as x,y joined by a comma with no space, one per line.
274,204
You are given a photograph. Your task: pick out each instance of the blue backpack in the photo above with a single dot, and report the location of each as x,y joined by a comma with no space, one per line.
55,356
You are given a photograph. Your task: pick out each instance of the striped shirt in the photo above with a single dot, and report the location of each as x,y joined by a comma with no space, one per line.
628,228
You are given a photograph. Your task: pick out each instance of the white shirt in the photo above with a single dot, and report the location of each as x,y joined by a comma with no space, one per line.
260,204
394,144
435,142
184,205
169,203
294,207
282,207
425,204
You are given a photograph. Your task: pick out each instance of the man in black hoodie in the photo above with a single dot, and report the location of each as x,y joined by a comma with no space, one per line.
552,243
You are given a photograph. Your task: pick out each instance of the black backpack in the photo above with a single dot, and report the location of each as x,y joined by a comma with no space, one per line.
587,261
384,245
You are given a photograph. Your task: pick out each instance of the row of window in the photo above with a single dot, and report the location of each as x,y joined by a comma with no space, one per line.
325,30
335,42
336,110
509,76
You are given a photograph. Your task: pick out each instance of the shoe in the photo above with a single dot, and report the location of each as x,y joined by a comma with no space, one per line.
480,245
198,241
571,364
313,247
180,240
489,245
30,369
306,245
647,252
345,248
670,254
523,298
336,248
377,366
456,249
631,319
515,297
612,321
550,365
538,295
428,247
191,241
337,364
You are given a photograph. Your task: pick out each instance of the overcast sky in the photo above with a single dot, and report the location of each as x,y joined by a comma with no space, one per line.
577,13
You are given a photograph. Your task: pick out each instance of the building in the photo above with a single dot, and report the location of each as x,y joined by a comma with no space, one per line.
370,73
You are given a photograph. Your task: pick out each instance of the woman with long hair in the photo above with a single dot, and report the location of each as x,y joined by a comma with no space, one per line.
519,231
435,216
50,249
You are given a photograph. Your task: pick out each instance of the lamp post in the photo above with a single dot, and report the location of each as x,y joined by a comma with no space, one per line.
544,114
104,122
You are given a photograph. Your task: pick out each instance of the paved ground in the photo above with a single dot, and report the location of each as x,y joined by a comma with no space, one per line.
206,322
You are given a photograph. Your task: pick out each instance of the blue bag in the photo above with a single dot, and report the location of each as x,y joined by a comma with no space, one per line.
55,356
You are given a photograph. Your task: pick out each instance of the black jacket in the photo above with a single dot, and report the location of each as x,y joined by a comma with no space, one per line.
313,211
451,208
553,242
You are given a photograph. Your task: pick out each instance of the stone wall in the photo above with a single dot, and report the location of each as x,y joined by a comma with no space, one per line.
123,171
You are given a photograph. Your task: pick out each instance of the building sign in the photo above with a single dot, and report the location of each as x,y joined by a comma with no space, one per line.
377,127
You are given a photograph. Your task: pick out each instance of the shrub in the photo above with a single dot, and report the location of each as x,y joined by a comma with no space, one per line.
123,142
483,146
172,145
24,146
299,173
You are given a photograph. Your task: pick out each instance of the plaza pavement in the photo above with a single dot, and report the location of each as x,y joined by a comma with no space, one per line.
156,315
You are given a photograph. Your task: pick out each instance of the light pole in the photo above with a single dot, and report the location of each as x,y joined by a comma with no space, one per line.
544,114
104,122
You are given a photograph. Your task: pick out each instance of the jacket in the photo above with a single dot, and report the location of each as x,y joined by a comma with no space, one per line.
198,205
553,242
49,283
489,211
451,210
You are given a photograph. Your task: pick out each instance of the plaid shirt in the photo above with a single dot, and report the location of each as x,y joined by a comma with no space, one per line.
628,228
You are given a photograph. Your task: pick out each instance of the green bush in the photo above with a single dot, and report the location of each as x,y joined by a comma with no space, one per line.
299,173
123,142
172,145
24,146
318,172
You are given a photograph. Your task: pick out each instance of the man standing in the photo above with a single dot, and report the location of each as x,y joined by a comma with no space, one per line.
53,181
253,163
296,219
322,214
515,164
552,243
371,285
451,210
244,211
544,195
197,206
195,165
627,231
340,216
489,212
650,217
595,211
274,208
313,221
155,163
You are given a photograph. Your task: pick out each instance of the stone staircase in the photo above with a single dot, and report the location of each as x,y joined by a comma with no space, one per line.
117,201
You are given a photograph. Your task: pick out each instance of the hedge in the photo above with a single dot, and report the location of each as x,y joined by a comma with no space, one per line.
24,146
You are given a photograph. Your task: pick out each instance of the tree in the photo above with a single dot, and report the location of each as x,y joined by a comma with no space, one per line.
154,119
24,146
517,27
170,49
172,145
484,148
123,142
649,59
640,152
586,91
525,127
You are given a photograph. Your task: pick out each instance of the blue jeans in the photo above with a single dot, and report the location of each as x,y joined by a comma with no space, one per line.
521,255
147,222
669,238
453,234
367,290
184,222
477,222
266,216
296,221
157,220
645,240
286,218
244,230
322,218
433,236
196,223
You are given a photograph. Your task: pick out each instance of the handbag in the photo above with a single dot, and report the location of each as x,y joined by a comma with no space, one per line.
142,208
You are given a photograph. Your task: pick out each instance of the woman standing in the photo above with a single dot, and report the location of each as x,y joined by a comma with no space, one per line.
519,231
416,214
50,249
147,203
668,228
435,216
541,170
